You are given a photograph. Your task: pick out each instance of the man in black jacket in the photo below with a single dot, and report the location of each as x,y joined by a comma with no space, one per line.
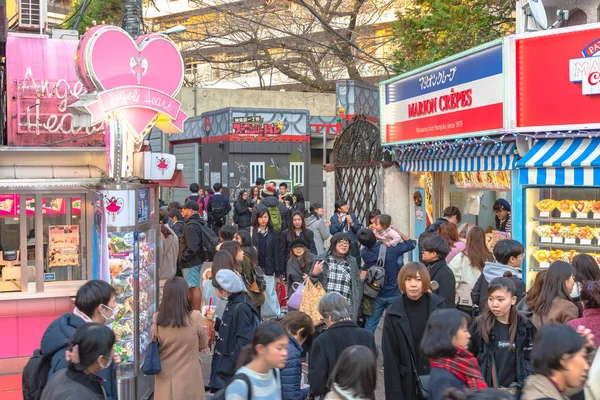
341,333
451,214
434,251
217,209
190,251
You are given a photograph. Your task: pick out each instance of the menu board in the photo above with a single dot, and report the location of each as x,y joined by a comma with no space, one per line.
490,180
10,205
63,246
494,237
121,263
143,206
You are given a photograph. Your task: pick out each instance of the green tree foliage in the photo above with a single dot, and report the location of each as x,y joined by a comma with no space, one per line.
109,11
429,30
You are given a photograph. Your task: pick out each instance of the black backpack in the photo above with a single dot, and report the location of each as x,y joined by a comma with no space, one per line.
35,375
208,239
375,278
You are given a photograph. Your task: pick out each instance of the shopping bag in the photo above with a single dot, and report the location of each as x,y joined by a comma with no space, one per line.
296,298
310,300
270,309
281,293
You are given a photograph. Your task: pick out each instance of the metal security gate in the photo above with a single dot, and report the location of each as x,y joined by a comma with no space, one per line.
357,155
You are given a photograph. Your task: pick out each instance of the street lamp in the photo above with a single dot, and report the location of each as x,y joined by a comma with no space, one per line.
173,30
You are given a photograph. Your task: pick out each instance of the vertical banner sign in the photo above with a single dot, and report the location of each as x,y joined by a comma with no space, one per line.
463,96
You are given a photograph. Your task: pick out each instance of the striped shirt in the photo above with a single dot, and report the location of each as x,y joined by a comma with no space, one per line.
264,386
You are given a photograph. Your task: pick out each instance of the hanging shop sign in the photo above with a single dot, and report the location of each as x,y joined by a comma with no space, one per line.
489,180
564,94
136,80
10,206
254,126
458,97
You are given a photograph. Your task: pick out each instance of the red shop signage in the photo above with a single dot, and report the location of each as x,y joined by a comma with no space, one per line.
558,80
10,206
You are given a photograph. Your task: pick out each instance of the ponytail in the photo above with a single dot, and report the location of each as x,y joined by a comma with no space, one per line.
266,333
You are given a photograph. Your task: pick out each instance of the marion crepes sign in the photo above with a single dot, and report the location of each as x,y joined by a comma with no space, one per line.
41,84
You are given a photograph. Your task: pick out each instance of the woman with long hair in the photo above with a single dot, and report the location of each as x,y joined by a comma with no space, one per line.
297,230
468,265
560,359
404,326
449,233
338,271
255,195
354,375
446,343
249,270
318,226
299,202
299,327
242,211
169,249
501,338
526,304
554,305
260,362
299,264
181,333
586,270
590,295
265,240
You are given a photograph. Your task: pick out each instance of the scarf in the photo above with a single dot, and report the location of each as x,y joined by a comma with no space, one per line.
464,366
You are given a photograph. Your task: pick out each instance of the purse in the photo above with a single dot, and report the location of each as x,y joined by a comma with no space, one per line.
151,365
422,381
295,299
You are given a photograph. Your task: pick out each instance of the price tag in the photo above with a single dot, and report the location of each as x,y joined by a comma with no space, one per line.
585,242
565,215
546,240
570,241
544,265
582,215
596,215
557,240
546,214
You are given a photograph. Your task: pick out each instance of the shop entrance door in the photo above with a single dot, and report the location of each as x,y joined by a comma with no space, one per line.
357,155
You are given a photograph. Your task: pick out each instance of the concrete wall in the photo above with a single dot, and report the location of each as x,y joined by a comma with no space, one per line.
214,99
393,197
590,7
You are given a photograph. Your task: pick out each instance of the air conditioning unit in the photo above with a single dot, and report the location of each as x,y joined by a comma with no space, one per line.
32,14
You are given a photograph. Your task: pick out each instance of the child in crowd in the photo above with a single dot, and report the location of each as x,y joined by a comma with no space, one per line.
382,228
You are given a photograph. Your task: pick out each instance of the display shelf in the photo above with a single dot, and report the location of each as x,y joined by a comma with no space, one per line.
567,246
567,220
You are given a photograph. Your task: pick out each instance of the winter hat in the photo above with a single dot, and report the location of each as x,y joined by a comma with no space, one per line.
504,204
299,242
269,190
229,281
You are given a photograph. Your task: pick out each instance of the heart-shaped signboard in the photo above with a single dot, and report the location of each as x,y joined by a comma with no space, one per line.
108,58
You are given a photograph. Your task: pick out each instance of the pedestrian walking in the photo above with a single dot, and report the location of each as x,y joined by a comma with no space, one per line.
278,212
403,328
354,375
318,226
265,240
91,351
169,250
586,270
177,222
234,331
242,211
95,302
222,260
218,208
284,196
502,338
260,362
390,290
299,265
197,195
561,359
509,261
299,327
190,252
449,233
554,305
254,278
338,271
468,265
341,333
299,203
451,214
255,195
181,334
295,231
434,251
343,221
446,343
590,294
526,304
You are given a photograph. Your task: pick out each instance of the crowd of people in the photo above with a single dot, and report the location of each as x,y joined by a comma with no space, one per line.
457,324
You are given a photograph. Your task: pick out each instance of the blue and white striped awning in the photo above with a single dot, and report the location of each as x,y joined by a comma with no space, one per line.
487,157
562,162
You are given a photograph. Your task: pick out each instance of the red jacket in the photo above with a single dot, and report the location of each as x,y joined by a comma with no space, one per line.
591,320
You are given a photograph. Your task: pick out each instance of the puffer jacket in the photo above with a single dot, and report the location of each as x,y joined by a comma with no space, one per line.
292,373
55,341
485,351
321,231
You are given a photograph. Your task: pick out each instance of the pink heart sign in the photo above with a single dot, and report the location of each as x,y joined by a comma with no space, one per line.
138,79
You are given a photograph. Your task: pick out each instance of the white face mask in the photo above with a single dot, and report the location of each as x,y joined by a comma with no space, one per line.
102,366
110,320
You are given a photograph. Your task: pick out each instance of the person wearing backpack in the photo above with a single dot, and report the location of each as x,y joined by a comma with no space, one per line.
190,252
218,208
392,263
94,302
234,331
278,212
255,276
197,195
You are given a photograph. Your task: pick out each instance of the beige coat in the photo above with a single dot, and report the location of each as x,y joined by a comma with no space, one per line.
561,312
181,371
538,387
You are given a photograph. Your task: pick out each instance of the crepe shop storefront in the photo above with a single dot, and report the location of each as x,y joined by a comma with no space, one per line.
556,114
447,122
